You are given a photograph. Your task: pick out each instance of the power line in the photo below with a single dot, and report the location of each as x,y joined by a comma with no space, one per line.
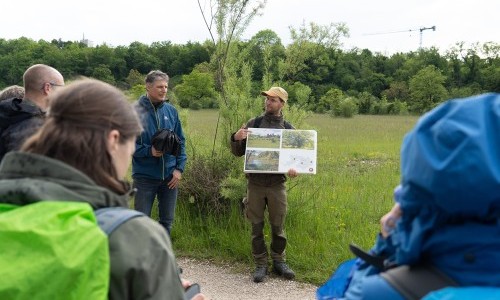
421,29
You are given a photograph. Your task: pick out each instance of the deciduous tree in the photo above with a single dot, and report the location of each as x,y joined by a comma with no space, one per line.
427,89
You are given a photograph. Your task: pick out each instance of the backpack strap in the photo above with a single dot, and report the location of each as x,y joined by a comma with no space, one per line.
371,259
258,120
417,281
110,218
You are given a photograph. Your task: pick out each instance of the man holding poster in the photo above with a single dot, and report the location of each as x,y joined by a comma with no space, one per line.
266,190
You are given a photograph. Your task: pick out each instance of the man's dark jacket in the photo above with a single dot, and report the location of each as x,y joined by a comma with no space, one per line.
19,119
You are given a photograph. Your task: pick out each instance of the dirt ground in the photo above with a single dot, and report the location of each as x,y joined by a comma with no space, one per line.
224,282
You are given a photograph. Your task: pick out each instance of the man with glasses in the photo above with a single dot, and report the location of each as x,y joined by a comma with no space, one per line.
20,118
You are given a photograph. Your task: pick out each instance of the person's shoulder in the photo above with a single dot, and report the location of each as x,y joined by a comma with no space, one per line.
142,101
170,108
23,124
255,121
144,232
7,105
169,105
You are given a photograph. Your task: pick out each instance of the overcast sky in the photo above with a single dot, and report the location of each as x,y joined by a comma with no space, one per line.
122,22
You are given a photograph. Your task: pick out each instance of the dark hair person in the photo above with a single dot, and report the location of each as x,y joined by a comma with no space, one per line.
82,153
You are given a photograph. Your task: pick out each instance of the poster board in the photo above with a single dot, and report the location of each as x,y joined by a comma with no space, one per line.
278,150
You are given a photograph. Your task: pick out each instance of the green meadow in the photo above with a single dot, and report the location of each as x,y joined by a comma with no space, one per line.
358,168
257,141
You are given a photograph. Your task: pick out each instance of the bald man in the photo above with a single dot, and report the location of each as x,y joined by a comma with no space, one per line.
21,118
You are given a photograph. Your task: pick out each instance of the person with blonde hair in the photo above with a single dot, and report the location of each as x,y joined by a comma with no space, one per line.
82,153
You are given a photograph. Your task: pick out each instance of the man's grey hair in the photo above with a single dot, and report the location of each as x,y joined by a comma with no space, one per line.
156,75
13,91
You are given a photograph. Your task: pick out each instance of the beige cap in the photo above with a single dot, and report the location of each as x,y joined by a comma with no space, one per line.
276,91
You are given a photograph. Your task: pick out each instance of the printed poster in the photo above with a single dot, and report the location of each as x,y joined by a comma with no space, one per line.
278,150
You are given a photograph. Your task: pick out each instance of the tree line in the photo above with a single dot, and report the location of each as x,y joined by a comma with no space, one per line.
319,75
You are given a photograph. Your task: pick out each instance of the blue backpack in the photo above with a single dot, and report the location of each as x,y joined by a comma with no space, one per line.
423,282
465,293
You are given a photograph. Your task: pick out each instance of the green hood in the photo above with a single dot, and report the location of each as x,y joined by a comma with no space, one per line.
27,178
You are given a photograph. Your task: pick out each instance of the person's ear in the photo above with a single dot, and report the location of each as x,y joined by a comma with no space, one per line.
113,140
46,88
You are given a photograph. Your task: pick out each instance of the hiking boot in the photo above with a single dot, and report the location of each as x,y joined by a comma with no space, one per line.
281,268
259,274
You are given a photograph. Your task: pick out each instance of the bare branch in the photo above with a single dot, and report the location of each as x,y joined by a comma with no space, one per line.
209,27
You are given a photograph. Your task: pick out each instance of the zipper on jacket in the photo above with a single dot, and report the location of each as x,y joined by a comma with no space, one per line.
158,128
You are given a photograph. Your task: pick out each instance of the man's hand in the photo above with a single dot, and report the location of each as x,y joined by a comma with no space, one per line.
388,221
176,177
241,134
155,152
292,173
186,284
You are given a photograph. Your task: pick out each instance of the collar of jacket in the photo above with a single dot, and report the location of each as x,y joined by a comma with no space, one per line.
27,178
148,104
14,110
273,118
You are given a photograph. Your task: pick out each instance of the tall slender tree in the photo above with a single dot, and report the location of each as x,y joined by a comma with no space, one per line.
226,20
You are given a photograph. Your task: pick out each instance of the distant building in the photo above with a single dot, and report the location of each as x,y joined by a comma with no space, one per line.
87,42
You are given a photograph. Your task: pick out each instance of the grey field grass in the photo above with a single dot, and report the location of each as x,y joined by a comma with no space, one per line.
358,168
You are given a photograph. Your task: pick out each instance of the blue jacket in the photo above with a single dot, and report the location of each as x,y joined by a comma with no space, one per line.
144,165
450,183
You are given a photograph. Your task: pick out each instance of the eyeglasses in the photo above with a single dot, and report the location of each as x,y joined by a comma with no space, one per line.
51,84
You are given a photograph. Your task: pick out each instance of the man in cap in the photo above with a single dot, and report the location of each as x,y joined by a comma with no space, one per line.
21,118
266,190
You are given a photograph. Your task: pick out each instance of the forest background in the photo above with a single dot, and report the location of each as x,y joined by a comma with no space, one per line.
361,104
313,69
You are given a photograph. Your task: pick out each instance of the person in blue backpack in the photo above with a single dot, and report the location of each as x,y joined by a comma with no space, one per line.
441,238
82,154
157,174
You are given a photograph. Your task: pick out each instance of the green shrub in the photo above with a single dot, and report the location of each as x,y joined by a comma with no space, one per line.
347,108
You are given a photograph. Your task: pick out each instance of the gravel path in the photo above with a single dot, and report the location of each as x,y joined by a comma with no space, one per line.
221,282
